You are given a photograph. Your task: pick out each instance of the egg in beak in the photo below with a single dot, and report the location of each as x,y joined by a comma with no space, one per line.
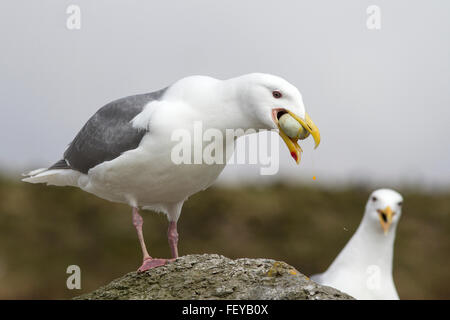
294,128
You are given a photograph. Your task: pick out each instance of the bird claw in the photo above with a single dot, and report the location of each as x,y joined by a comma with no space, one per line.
151,263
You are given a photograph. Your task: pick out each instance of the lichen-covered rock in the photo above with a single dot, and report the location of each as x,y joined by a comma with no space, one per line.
211,276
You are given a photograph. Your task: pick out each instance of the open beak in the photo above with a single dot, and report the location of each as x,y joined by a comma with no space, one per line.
385,218
308,125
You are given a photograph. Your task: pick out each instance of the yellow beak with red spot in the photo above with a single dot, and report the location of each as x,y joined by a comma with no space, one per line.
306,128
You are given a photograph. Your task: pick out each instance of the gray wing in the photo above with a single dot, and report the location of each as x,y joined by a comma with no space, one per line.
107,134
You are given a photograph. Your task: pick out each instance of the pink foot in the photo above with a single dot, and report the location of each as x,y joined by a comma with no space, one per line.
150,263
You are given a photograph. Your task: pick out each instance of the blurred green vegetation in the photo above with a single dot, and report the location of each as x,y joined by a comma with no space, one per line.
45,229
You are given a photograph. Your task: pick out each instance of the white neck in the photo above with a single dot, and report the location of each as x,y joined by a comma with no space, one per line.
220,104
368,246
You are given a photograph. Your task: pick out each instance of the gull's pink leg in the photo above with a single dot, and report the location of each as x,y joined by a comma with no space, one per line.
138,222
148,262
172,236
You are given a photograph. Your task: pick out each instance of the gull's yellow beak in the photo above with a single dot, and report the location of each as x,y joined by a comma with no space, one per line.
308,127
385,218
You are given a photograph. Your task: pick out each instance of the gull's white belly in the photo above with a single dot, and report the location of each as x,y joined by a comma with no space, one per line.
146,176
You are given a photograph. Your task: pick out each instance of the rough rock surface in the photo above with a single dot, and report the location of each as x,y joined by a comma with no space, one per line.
211,276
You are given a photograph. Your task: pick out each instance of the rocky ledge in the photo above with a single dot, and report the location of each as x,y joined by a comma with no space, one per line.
211,276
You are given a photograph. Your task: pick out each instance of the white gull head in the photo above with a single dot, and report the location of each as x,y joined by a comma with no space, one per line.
383,211
257,95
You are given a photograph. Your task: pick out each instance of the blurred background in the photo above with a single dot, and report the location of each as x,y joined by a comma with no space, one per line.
379,97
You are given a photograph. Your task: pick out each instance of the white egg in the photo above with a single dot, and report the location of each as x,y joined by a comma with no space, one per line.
291,127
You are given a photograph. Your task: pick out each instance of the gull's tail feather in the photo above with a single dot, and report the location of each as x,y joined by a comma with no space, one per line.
56,175
34,172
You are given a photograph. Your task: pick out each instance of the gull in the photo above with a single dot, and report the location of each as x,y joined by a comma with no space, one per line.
363,269
124,152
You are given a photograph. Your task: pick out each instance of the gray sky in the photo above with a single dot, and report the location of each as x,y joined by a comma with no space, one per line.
380,98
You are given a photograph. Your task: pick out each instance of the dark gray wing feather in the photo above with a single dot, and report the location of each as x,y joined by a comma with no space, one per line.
107,134
61,164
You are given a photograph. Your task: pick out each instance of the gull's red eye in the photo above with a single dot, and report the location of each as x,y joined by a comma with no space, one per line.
277,94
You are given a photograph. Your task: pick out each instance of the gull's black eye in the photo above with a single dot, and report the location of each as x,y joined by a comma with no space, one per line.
276,94
400,203
374,199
